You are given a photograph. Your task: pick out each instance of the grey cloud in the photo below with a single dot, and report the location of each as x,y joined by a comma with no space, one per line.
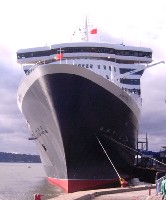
14,142
13,130
153,115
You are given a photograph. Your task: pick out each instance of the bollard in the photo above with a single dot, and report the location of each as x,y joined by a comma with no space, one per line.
38,196
35,197
123,183
149,191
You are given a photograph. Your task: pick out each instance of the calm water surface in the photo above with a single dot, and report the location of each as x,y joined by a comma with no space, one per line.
20,181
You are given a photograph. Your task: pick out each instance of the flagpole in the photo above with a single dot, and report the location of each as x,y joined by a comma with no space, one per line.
99,37
60,55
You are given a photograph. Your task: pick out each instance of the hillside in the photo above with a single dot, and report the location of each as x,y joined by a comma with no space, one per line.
23,158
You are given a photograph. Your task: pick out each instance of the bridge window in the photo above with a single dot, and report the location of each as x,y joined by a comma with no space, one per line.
85,49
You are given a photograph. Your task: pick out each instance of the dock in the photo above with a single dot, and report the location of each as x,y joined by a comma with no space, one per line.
145,169
141,192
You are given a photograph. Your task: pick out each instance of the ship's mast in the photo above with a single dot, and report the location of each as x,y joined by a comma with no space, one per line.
86,29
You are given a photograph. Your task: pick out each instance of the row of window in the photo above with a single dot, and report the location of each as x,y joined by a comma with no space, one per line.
122,80
85,65
122,70
133,91
102,50
91,66
130,81
85,50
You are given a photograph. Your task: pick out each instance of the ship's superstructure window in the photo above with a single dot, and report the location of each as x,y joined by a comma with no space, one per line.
85,65
130,81
110,68
125,70
104,66
133,91
104,50
33,54
98,66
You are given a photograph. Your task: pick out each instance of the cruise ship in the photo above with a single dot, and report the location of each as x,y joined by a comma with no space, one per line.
81,102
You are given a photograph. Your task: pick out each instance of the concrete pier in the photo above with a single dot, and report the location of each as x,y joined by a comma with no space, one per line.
141,192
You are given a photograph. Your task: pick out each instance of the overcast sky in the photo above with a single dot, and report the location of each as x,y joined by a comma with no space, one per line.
32,23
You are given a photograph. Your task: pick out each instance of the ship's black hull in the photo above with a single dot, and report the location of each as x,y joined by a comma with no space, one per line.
67,113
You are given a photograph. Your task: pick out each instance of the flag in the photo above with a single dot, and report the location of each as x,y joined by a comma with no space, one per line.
59,56
93,31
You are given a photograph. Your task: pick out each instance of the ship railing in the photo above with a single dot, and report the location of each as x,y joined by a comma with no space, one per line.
134,95
31,70
41,62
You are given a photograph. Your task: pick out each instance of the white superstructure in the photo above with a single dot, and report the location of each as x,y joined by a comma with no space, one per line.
120,64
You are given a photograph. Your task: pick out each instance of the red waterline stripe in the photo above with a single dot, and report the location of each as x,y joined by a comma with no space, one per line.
74,185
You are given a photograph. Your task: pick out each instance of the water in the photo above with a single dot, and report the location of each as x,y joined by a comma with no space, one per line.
20,181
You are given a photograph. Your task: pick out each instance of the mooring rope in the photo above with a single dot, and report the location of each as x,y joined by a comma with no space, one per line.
108,158
137,151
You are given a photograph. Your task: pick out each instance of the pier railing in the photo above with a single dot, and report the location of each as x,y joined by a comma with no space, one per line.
159,185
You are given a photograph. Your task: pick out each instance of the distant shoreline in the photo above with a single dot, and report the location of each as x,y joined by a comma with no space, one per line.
19,158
